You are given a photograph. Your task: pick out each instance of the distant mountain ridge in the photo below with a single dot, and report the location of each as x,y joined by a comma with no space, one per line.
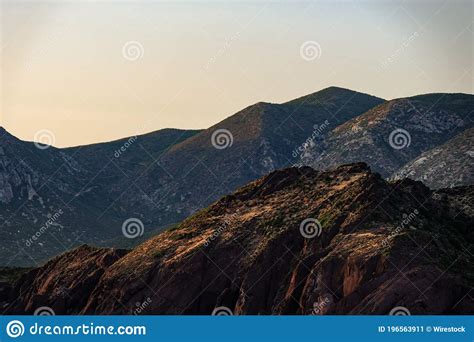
448,165
263,138
50,198
162,177
419,123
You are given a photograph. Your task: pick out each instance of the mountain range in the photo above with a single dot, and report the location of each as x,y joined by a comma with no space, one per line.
392,134
55,199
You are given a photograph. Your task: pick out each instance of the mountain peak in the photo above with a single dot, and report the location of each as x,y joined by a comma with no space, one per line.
336,90
333,93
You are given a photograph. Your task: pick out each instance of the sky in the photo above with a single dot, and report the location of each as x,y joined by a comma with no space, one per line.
93,71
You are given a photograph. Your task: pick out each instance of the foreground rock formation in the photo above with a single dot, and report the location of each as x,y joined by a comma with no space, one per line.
260,251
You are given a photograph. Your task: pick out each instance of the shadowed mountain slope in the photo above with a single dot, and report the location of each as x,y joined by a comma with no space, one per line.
258,140
51,199
394,133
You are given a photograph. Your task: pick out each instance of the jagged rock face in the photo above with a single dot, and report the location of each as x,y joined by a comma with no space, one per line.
64,282
19,180
14,177
448,165
430,121
32,192
381,245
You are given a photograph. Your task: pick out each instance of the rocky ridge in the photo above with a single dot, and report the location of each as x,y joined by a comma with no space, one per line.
448,165
394,133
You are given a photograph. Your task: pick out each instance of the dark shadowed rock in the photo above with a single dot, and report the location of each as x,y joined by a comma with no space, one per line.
64,283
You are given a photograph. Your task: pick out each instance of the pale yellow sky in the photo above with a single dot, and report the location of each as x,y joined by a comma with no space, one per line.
70,68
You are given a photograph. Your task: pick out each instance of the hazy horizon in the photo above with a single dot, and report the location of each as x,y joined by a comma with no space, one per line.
96,72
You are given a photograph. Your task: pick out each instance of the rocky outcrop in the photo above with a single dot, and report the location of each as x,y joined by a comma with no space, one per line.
296,241
62,284
448,165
